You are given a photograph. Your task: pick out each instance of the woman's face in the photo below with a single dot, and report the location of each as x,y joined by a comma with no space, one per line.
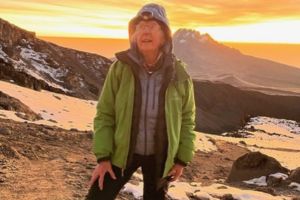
149,36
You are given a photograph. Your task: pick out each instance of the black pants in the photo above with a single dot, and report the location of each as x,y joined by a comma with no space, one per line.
112,187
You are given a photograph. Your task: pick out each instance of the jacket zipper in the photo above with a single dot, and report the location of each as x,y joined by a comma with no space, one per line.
154,89
145,115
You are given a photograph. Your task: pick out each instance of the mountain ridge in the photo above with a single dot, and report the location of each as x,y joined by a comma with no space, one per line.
208,59
68,71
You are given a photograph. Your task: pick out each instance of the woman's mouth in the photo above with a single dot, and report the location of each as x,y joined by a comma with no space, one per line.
146,40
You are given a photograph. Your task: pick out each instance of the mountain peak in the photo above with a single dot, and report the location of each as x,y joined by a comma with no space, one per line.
183,34
208,59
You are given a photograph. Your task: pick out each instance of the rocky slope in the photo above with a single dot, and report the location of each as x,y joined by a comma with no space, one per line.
221,107
37,64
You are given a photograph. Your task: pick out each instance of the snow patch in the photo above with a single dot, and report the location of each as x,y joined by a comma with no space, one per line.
204,195
3,55
261,181
289,125
136,190
30,54
138,176
37,60
38,76
178,190
100,62
68,112
295,185
204,143
81,83
248,197
19,65
279,176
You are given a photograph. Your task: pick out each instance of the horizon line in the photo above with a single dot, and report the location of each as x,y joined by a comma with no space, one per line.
121,38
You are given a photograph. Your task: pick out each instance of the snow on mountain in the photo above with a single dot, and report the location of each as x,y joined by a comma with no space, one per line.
295,185
55,109
208,59
66,70
265,123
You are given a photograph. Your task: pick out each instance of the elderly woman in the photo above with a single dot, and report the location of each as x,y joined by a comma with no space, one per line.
145,114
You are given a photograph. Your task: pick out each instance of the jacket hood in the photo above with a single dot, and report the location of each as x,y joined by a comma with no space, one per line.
156,12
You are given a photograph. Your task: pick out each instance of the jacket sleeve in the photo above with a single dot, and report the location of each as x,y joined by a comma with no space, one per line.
187,135
104,121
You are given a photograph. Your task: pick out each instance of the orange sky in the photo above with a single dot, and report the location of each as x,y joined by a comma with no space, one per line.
283,53
274,21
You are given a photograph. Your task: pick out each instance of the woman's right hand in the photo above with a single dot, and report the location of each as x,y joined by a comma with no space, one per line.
100,170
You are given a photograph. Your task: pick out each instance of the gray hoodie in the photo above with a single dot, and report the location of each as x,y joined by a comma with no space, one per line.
150,83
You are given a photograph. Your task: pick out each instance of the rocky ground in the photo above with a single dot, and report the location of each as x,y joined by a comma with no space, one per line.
45,162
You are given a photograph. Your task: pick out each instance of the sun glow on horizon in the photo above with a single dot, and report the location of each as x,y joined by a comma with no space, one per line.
274,31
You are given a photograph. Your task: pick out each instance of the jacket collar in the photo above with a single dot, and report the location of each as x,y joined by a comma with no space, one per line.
176,67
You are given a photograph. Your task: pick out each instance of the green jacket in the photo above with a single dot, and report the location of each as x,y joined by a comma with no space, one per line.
112,123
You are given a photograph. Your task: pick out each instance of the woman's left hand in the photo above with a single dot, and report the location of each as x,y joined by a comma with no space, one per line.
175,172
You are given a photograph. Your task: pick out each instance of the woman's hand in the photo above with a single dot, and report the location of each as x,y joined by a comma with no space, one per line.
175,172
100,170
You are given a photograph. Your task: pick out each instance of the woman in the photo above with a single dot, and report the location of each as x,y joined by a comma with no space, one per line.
145,114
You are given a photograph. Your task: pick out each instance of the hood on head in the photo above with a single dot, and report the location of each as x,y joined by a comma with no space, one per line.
156,12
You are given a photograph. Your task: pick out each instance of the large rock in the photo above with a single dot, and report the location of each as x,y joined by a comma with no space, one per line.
5,131
253,165
7,151
295,175
277,179
12,104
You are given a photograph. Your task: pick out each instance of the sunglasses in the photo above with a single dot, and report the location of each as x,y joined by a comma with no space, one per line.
147,15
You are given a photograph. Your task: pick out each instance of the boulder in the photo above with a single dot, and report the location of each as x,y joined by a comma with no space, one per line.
295,175
252,165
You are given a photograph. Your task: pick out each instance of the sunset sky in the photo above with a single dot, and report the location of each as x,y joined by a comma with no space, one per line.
274,21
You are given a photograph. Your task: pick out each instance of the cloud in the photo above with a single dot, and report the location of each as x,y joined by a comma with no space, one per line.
115,14
225,12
